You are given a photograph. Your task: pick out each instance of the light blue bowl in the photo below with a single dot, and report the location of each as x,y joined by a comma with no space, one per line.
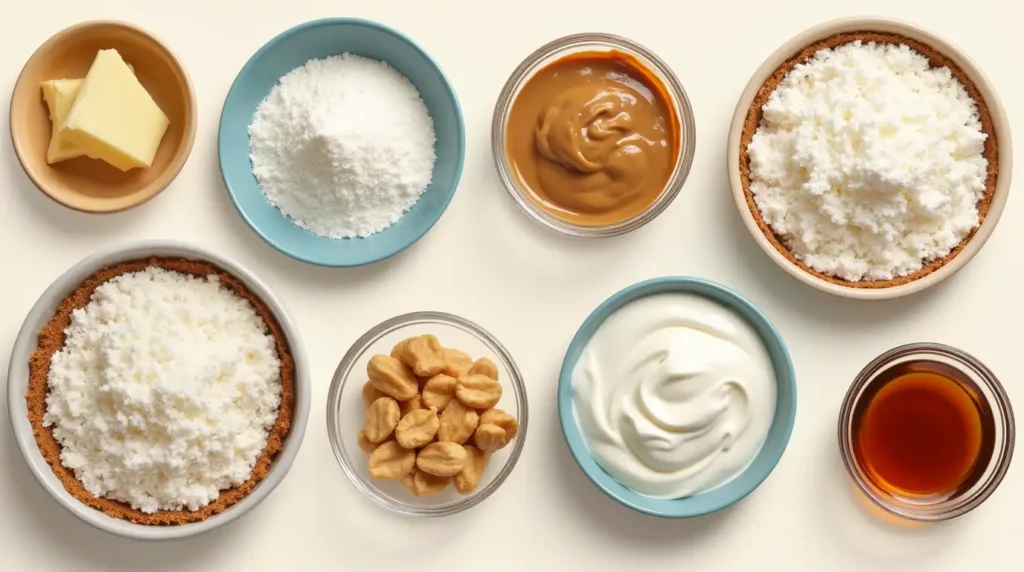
778,435
319,39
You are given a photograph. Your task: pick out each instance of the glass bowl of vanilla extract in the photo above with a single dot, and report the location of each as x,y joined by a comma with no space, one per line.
926,431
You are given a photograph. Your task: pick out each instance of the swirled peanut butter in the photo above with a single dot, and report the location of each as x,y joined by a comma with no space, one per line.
593,138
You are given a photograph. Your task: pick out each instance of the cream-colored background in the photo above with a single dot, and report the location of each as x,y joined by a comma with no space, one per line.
531,288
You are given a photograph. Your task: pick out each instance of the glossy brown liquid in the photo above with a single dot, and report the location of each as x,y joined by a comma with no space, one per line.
922,430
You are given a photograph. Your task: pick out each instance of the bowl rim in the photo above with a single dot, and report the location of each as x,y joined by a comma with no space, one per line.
233,94
1001,128
169,174
26,342
526,69
999,401
361,346
677,508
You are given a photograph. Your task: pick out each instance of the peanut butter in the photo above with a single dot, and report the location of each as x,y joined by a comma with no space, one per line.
593,138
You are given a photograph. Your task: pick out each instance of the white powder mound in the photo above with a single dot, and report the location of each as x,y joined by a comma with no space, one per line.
165,391
868,163
344,146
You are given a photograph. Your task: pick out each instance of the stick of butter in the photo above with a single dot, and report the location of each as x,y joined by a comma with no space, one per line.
59,95
114,118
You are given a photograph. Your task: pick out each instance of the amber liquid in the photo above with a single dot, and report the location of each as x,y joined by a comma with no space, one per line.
922,429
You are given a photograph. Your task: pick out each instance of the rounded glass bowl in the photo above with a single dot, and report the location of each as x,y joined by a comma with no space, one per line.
986,387
767,457
556,50
346,414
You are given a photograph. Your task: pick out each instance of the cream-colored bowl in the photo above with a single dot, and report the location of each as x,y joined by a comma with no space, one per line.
27,342
942,53
90,185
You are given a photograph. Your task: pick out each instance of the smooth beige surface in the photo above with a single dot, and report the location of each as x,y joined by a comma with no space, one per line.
946,48
531,287
86,184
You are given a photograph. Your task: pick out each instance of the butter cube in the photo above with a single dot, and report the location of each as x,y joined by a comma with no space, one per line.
59,95
114,118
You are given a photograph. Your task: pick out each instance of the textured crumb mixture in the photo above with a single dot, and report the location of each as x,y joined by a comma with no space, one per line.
161,391
871,160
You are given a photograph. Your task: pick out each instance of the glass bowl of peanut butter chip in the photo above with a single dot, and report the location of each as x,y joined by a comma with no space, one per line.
427,414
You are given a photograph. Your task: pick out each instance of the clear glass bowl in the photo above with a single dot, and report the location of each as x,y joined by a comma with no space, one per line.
346,415
986,387
594,42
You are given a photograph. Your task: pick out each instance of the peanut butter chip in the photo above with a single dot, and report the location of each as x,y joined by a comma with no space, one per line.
489,438
472,472
417,428
423,354
457,363
429,485
381,419
501,419
392,377
391,461
485,367
370,394
438,391
442,459
458,423
478,391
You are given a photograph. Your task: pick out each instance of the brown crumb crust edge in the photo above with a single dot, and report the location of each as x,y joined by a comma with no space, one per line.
51,340
937,60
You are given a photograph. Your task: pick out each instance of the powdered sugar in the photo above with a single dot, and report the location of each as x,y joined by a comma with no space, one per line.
344,146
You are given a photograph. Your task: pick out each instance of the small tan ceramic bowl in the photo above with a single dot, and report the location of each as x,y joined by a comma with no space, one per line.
90,185
940,53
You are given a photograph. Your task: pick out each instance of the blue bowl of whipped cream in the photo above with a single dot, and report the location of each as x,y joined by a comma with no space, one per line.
677,397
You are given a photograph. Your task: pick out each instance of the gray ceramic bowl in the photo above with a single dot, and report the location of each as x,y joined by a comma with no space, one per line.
27,341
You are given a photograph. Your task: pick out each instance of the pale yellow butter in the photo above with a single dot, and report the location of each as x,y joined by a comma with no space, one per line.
114,118
59,95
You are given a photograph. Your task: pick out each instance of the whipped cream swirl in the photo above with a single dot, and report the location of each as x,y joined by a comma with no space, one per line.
674,395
